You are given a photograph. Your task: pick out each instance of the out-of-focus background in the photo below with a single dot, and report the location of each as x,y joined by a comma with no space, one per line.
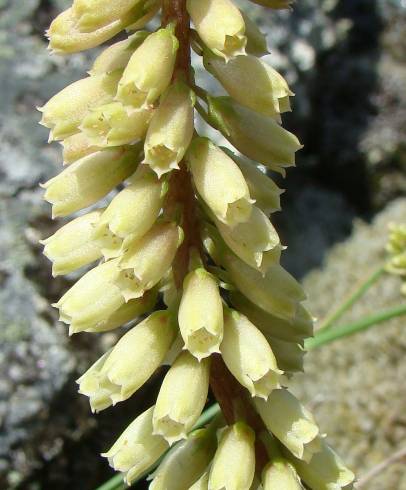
346,62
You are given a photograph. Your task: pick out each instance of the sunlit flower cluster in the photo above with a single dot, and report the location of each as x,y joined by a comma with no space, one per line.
396,248
183,252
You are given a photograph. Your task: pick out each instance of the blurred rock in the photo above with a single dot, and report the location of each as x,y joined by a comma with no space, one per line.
355,386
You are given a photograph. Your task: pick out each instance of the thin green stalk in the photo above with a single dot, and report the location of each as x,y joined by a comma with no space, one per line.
117,483
329,335
352,298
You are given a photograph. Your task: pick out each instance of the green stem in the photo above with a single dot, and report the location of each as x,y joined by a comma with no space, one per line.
329,335
117,483
352,299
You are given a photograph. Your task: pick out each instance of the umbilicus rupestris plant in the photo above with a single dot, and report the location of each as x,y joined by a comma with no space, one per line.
189,229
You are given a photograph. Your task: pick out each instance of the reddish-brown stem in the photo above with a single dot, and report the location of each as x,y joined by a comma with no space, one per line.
233,399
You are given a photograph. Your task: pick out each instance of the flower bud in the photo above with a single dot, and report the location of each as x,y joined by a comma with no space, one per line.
248,356
77,146
201,314
177,409
325,471
234,462
72,246
117,56
171,130
149,70
92,299
251,82
295,329
220,25
276,292
137,448
65,36
146,260
93,14
274,4
219,181
111,125
256,40
290,422
64,112
289,355
89,179
130,363
125,313
262,189
258,136
144,197
202,483
185,462
252,240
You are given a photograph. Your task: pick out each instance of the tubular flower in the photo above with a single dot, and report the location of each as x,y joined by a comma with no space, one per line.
219,181
201,329
184,224
185,462
116,376
171,129
248,356
149,70
220,25
137,448
234,462
177,409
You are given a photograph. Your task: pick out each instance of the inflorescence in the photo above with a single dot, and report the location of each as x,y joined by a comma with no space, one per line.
188,235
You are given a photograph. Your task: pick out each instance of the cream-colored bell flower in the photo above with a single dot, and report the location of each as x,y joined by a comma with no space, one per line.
171,129
92,299
219,182
262,189
257,136
248,356
295,329
73,246
144,197
127,312
182,397
251,82
252,239
185,462
111,125
233,466
89,179
93,14
256,40
137,449
325,471
149,70
147,259
276,292
290,422
76,147
117,56
130,363
65,37
64,112
201,314
220,25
